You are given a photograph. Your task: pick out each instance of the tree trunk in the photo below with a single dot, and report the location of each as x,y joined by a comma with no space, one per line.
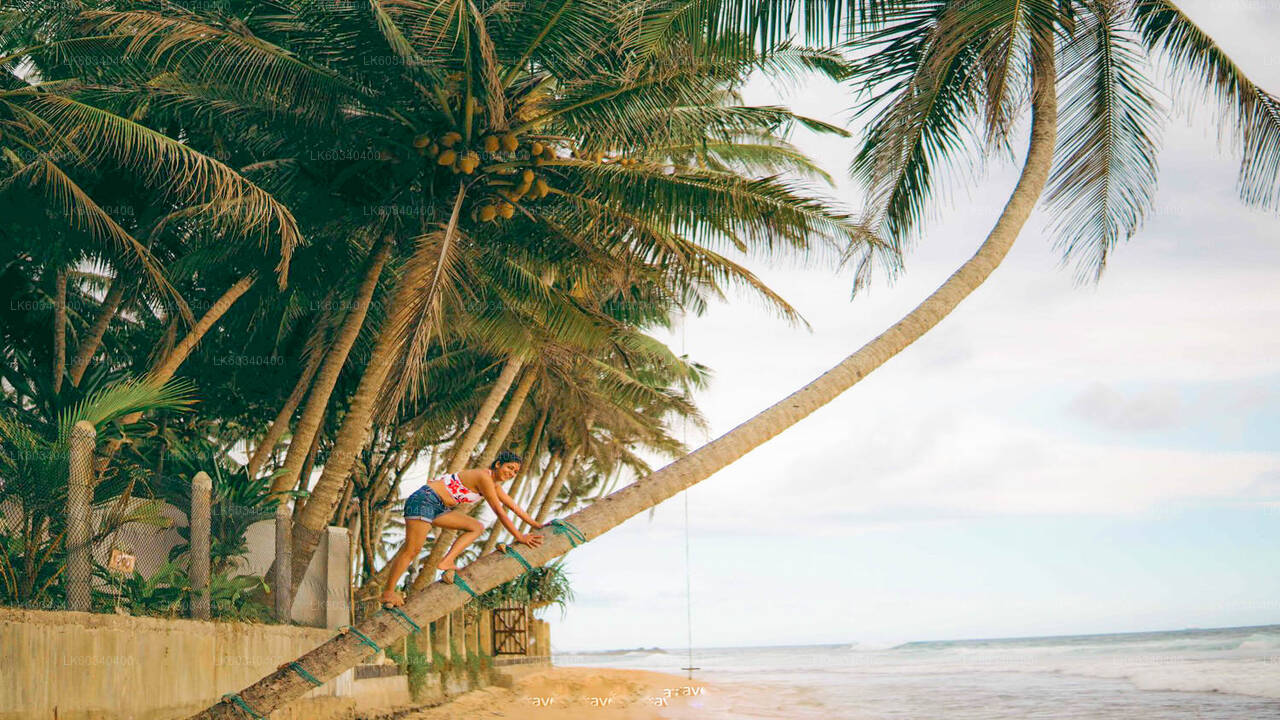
534,445
334,657
307,466
462,454
535,498
420,274
180,352
514,406
340,514
59,328
93,339
165,369
276,429
327,377
565,468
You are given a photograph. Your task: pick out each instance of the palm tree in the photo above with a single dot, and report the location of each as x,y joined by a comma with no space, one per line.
80,183
494,127
938,62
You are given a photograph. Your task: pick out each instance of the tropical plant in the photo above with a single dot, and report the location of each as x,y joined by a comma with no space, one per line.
538,588
34,471
79,184
163,593
167,592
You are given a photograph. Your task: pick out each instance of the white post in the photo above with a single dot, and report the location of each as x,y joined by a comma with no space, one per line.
284,560
199,549
79,501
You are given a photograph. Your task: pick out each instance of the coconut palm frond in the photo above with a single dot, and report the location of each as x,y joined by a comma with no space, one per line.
165,162
1104,181
1251,113
923,128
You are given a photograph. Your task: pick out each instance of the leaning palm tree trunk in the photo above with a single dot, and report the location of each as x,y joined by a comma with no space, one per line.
180,352
538,491
277,428
462,454
327,377
438,599
562,475
165,369
59,328
509,416
93,340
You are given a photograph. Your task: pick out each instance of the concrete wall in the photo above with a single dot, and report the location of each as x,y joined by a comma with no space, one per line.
81,666
85,665
539,638
323,598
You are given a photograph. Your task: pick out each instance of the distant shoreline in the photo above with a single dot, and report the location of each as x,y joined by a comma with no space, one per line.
614,652
950,641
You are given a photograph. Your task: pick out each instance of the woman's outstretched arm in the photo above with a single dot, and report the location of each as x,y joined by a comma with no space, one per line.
497,497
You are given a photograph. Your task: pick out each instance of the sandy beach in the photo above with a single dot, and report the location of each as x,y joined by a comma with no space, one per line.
578,693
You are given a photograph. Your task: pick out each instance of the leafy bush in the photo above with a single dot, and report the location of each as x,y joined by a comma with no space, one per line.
168,593
539,587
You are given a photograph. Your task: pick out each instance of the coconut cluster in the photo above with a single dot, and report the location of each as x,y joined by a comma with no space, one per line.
510,159
509,164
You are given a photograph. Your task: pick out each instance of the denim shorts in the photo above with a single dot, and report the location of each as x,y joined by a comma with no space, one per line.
424,504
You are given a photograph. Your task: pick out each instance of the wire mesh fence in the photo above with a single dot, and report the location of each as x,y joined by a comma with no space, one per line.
170,546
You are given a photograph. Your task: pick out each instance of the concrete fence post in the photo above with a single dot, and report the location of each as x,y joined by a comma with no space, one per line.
283,589
472,630
440,641
199,549
457,637
486,632
79,519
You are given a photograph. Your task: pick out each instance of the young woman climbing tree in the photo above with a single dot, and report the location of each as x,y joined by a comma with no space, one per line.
431,505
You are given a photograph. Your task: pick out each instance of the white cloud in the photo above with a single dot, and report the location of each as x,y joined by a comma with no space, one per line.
1148,409
968,465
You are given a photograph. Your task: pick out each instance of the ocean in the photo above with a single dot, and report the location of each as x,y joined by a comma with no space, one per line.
1219,674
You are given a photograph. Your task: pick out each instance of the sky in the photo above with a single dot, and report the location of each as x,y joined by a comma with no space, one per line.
1052,459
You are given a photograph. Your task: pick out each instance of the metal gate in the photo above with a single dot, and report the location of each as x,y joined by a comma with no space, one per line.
510,630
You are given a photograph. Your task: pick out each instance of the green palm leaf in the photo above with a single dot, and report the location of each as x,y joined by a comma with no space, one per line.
1104,180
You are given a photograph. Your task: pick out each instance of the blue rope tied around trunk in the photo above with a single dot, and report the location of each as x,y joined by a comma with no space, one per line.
404,619
457,580
507,549
302,672
566,528
243,705
363,638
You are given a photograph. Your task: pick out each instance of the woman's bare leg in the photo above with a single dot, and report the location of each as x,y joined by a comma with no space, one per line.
415,534
471,529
